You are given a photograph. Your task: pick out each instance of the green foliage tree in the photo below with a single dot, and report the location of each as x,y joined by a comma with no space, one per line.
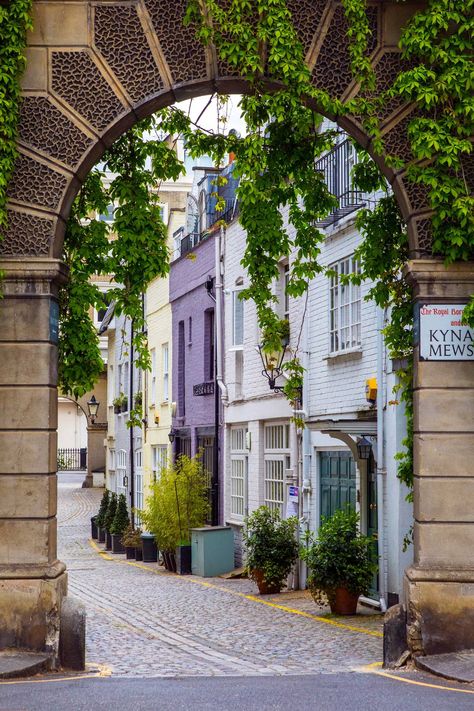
271,547
110,513
104,504
339,558
178,501
121,519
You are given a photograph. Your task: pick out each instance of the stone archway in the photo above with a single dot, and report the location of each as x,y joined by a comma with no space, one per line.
93,69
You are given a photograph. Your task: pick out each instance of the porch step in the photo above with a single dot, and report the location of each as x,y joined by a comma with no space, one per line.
20,663
458,666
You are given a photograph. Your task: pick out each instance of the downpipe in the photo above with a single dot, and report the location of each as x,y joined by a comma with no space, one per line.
381,472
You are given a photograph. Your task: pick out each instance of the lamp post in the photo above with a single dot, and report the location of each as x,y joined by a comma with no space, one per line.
93,407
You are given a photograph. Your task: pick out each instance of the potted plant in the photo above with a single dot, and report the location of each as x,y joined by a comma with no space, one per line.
340,563
100,518
109,519
271,548
130,540
119,524
120,403
138,544
178,501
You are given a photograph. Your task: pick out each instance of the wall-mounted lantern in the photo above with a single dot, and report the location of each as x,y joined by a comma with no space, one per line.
364,448
272,361
172,435
93,407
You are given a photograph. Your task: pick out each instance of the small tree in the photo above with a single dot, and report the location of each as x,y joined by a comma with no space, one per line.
271,547
121,518
104,503
110,513
178,501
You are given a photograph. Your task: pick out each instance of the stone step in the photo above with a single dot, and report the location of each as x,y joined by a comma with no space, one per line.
458,666
21,663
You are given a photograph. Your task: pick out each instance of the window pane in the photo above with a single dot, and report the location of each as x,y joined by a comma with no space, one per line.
238,320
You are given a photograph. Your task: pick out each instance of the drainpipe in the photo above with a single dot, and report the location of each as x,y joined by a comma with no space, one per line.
219,241
381,472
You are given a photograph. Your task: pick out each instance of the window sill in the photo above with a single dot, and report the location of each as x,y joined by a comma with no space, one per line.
349,354
233,349
165,403
232,522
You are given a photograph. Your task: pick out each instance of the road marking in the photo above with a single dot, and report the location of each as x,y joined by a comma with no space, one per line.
371,669
253,598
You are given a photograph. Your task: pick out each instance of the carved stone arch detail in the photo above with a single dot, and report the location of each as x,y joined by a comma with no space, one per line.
130,58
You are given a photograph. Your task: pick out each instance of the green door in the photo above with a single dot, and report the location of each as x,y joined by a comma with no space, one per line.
338,482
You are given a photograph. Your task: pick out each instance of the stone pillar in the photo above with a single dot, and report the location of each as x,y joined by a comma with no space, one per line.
96,435
32,580
440,585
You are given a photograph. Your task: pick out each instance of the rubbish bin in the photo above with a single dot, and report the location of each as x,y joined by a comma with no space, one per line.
150,551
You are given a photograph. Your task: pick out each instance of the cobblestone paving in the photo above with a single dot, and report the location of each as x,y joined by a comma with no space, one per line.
143,621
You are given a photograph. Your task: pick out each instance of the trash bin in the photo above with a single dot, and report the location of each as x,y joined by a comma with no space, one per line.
150,551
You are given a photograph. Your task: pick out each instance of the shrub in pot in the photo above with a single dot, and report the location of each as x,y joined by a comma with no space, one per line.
339,562
119,524
100,518
131,540
109,519
178,501
271,548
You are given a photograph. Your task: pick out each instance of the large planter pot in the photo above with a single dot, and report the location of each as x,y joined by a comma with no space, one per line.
130,552
264,588
138,553
183,560
343,602
117,546
101,535
169,559
150,551
108,541
94,530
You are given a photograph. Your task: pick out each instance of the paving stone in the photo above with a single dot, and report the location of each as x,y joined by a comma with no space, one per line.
143,621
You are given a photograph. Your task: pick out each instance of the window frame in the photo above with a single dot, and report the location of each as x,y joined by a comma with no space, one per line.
342,300
238,454
165,367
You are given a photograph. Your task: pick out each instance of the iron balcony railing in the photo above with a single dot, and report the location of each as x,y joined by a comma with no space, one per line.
191,240
336,167
71,459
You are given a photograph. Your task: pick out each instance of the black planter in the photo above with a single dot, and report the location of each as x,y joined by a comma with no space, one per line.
108,541
117,546
124,406
130,552
150,551
172,559
101,535
138,553
94,530
183,560
117,409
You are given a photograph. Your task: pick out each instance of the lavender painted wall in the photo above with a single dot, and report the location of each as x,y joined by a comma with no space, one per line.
190,300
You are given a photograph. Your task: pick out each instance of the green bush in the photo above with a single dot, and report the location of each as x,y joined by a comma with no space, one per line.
179,500
121,519
339,558
110,513
271,546
104,503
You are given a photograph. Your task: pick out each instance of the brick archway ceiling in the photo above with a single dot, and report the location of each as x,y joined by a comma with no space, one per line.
131,59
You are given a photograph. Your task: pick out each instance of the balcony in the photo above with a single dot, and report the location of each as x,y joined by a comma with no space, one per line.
336,167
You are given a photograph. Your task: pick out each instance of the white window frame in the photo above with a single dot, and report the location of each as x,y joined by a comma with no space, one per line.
238,473
345,309
153,376
235,314
165,364
121,471
159,460
276,456
138,477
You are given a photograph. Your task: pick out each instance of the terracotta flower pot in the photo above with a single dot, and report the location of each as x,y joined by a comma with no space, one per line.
264,588
344,602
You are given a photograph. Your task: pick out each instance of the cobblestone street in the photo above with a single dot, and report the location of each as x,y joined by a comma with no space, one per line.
143,621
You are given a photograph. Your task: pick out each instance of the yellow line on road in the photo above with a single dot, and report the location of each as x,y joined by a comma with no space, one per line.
102,672
253,598
371,668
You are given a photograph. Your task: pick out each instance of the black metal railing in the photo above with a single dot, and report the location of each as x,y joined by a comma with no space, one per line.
71,459
336,167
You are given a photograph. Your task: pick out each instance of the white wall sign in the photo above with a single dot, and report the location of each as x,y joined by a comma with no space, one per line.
442,335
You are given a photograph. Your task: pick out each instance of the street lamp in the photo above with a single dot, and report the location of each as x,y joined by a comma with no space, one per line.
364,448
93,407
272,361
171,435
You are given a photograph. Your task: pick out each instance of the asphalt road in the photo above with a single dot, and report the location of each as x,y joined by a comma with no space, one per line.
323,692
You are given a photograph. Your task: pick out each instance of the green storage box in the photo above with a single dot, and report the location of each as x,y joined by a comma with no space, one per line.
212,551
